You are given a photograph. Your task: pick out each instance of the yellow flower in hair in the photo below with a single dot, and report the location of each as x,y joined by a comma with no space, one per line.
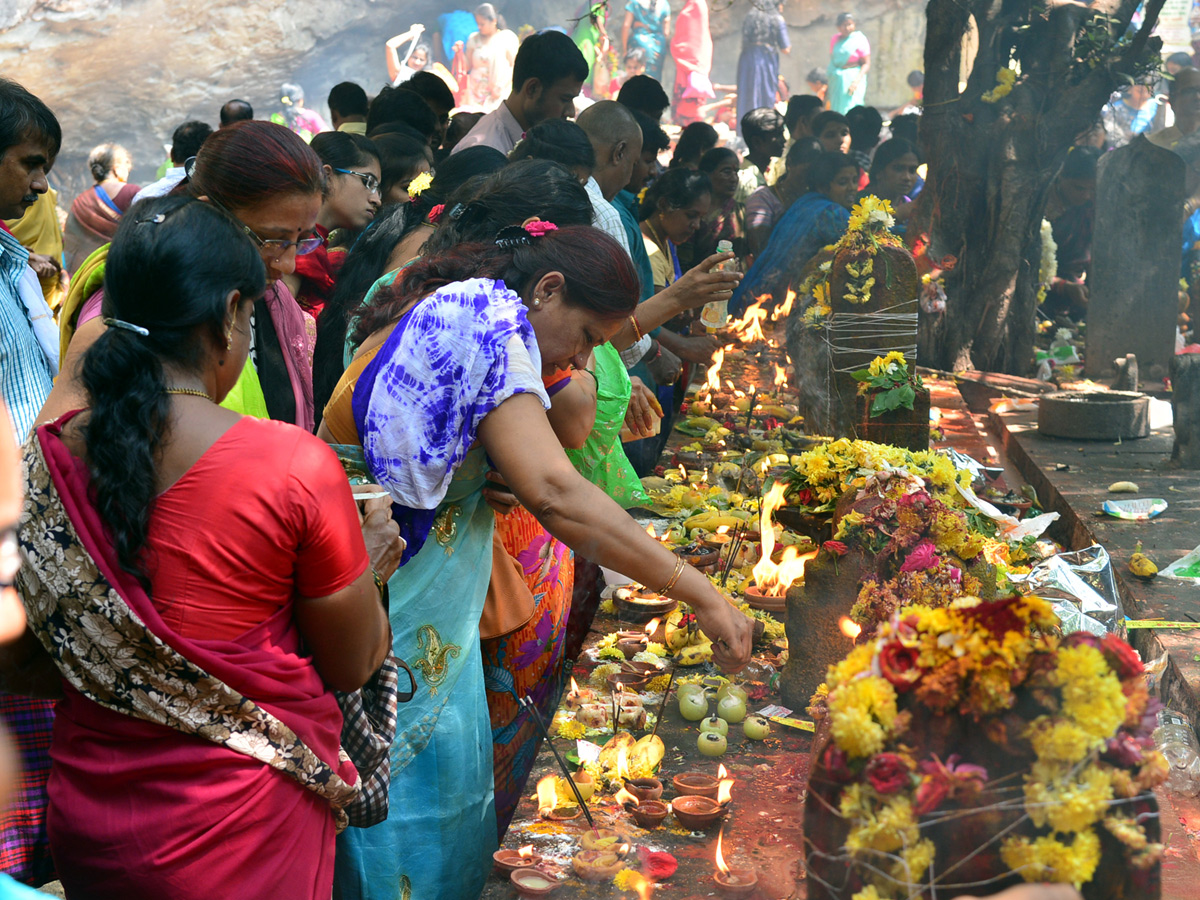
642,194
419,184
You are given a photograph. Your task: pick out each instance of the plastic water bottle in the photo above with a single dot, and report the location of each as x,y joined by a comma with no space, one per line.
715,314
1176,739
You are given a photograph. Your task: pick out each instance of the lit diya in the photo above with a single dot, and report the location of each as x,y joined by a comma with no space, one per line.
647,813
511,860
733,882
549,806
698,812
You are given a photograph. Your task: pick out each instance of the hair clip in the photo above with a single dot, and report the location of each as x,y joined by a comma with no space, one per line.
456,212
189,166
153,220
513,236
125,326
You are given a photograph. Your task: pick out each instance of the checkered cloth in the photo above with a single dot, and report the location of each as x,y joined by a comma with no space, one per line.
368,730
24,847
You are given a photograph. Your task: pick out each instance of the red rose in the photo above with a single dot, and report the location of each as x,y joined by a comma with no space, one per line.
805,496
898,664
657,865
835,547
837,764
930,793
1123,658
887,773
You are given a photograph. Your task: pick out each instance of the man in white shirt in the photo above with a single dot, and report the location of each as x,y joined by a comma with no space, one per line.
617,142
548,74
185,144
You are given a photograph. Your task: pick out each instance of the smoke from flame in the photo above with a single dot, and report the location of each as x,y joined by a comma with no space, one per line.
850,628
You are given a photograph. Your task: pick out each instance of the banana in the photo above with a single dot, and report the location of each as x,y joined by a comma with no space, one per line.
1141,565
1123,487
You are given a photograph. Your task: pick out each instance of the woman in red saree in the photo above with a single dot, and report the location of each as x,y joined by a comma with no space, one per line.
199,579
95,213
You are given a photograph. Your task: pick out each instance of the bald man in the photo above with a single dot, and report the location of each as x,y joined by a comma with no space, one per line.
617,141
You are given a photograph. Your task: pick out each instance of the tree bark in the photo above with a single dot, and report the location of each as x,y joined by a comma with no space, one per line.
991,164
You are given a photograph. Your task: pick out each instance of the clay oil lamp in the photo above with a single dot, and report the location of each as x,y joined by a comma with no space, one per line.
641,605
547,797
533,882
632,680
649,814
733,882
695,784
636,670
632,643
718,541
644,788
597,865
697,813
511,860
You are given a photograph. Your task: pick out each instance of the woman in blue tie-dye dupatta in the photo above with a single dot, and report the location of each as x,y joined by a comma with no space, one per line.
446,398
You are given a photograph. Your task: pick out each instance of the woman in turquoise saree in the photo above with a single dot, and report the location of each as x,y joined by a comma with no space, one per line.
849,62
450,368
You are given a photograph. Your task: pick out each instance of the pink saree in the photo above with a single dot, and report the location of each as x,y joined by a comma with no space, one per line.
183,768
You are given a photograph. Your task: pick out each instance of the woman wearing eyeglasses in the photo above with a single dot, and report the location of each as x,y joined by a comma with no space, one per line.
352,197
272,183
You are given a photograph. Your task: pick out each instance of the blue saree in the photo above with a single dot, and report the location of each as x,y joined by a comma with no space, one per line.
811,223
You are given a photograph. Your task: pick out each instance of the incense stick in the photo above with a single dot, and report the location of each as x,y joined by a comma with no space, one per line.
662,707
528,706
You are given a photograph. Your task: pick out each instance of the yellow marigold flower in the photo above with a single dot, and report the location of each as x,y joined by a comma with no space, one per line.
627,880
1091,691
858,661
1071,805
419,184
571,730
1049,859
1060,741
869,893
856,732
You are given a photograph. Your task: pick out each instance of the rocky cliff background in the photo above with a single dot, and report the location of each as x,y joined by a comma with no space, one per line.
132,70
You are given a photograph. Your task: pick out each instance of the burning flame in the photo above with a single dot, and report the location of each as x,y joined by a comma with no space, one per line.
650,531
574,687
725,790
722,772
780,375
713,381
849,628
643,885
724,869
547,795
624,798
784,309
774,580
749,326
652,626
723,529
623,763
683,473
526,851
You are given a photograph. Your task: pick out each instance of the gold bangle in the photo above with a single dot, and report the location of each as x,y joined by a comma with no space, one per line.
680,565
637,329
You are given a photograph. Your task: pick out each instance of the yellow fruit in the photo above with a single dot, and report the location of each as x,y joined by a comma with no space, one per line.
1142,566
1123,487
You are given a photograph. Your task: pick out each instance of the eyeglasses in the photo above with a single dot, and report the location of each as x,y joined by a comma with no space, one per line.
275,247
370,182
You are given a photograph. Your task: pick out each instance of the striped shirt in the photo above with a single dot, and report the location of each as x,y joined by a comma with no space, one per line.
25,372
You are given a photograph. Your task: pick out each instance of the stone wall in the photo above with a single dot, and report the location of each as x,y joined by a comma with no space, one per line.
132,70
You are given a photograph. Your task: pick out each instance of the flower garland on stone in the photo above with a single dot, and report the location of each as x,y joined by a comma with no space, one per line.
1005,80
1071,715
870,221
820,475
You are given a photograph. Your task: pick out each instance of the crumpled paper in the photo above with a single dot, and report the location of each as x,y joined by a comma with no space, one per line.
980,474
1010,527
1081,587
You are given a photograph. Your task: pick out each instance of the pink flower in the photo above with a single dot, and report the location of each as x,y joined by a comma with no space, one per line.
946,779
539,228
835,547
923,556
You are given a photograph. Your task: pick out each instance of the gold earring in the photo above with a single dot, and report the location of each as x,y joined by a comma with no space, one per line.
229,337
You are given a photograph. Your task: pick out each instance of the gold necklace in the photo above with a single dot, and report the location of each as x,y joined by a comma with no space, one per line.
191,393
654,236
